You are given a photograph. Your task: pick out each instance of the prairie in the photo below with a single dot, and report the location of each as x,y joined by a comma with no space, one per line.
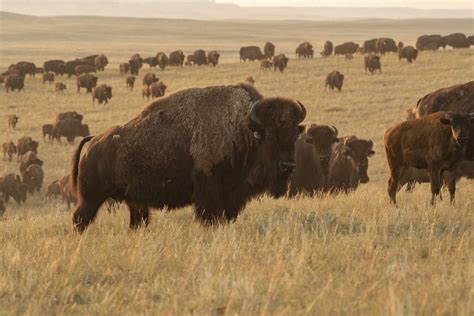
347,254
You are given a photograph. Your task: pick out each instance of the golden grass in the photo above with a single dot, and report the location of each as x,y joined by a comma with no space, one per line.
351,254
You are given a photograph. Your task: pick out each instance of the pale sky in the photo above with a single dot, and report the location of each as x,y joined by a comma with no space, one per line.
421,4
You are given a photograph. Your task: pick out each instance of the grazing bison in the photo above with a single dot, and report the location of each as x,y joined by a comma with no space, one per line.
54,66
135,63
177,58
223,146
14,82
370,46
280,62
251,53
103,93
149,79
313,150
457,98
9,149
84,69
86,81
33,178
163,60
385,45
266,65
346,48
26,144
124,68
269,50
68,196
304,50
372,63
70,128
26,67
130,82
53,190
430,42
12,120
28,159
408,52
157,89
200,58
48,129
100,62
457,40
328,48
70,66
69,115
213,58
334,80
349,164
60,87
151,61
48,77
146,92
11,186
436,142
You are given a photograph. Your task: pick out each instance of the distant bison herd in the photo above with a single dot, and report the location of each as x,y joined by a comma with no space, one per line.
218,147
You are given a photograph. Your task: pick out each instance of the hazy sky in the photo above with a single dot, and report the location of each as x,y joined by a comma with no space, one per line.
422,4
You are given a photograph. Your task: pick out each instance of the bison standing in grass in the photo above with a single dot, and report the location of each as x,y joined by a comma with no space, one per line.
86,81
103,93
162,60
269,50
213,58
70,128
48,77
26,144
33,178
157,89
251,53
372,63
54,66
14,82
304,50
124,68
11,186
407,52
280,62
328,48
177,58
346,48
215,148
334,80
60,87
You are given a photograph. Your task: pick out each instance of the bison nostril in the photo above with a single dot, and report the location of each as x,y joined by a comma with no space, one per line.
287,166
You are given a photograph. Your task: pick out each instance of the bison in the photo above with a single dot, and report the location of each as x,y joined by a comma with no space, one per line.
12,120
304,50
53,190
84,69
269,50
103,93
9,149
130,82
100,62
408,52
26,67
26,144
33,178
214,147
334,80
313,150
163,60
135,64
177,58
60,87
28,159
199,57
328,48
213,58
70,128
430,42
14,82
266,65
48,129
149,79
86,81
251,53
124,68
370,46
146,92
457,40
48,77
69,115
56,66
346,48
151,61
157,89
70,66
436,142
372,63
11,186
385,45
280,62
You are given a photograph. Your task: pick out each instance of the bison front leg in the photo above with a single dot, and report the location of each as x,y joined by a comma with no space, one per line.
450,181
393,185
435,180
208,199
138,216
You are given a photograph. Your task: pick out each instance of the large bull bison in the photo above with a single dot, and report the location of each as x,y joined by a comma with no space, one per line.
163,60
28,159
177,58
214,147
157,89
280,62
69,115
14,82
328,48
84,69
370,46
372,63
33,177
103,93
149,79
54,66
9,149
385,45
70,66
199,57
430,42
408,52
436,142
304,50
70,128
346,48
269,50
457,40
334,80
251,53
86,81
313,151
26,67
213,58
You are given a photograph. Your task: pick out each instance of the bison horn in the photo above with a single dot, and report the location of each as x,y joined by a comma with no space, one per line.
303,111
335,130
253,113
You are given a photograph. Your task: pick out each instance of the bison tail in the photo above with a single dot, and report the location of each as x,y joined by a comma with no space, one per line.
76,159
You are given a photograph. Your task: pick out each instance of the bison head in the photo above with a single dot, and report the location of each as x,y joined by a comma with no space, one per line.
359,150
275,123
460,124
322,137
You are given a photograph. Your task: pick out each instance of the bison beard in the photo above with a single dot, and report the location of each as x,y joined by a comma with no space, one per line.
215,148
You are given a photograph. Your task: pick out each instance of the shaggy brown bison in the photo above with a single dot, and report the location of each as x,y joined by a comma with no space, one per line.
33,178
177,58
53,190
213,58
157,89
436,142
370,46
69,115
163,60
346,48
457,40
86,81
250,80
12,120
103,93
70,128
266,65
349,164
408,52
28,159
54,66
151,61
199,57
280,62
251,53
313,150
304,50
48,77
68,195
9,149
124,68
385,45
60,87
26,144
334,80
223,146
269,50
130,82
100,61
11,186
134,65
430,42
457,98
372,63
70,66
26,67
328,48
149,79
48,129
84,69
14,82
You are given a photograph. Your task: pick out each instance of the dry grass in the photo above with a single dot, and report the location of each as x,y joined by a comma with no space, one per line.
350,254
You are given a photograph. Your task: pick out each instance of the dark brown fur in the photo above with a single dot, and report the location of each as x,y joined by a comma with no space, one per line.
86,81
26,144
280,62
28,159
372,63
70,128
103,93
130,82
251,53
177,58
304,50
213,58
11,186
346,48
9,149
269,50
334,80
33,177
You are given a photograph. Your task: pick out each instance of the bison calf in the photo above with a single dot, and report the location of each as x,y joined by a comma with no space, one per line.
130,82
12,120
60,87
48,77
9,149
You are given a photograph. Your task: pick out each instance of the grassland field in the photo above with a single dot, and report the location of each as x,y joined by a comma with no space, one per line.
349,254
